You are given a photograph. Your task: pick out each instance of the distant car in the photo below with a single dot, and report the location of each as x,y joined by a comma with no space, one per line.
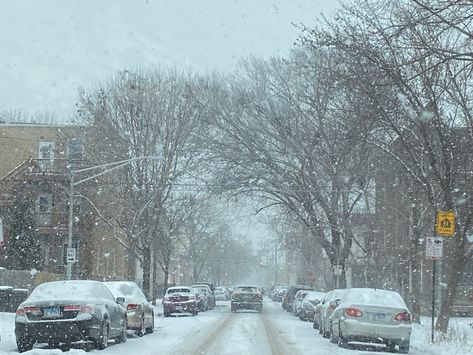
139,311
180,299
211,295
203,297
297,303
210,292
372,316
308,304
247,297
290,294
220,294
278,293
70,311
330,303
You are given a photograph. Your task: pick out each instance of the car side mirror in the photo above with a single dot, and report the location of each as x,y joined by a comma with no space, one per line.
120,300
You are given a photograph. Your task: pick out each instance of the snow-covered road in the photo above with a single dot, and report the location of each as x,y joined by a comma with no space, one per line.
274,332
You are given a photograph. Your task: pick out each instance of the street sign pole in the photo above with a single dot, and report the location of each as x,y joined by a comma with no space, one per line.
434,264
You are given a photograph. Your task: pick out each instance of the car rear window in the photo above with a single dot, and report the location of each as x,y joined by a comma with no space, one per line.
247,289
178,290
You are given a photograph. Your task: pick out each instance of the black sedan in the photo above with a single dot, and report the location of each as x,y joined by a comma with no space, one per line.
67,312
247,297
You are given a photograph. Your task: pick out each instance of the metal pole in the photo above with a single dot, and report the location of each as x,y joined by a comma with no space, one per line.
434,264
69,237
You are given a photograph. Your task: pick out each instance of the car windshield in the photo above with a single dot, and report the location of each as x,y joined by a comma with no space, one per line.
179,290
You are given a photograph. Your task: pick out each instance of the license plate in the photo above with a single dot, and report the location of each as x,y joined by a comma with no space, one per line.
51,312
379,316
178,308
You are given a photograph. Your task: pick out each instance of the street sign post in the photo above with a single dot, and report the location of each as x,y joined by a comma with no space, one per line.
71,255
445,223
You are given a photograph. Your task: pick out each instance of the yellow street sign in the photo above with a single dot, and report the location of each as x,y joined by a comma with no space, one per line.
445,224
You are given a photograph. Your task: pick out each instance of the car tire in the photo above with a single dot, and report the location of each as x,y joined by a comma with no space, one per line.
333,339
102,342
24,344
123,337
315,325
140,332
150,329
341,342
166,314
404,347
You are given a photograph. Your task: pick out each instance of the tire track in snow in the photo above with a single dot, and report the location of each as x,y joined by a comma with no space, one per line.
275,340
204,345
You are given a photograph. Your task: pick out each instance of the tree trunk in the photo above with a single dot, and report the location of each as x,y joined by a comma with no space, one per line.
414,291
146,270
166,276
154,283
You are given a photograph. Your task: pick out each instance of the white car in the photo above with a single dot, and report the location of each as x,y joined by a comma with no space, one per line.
372,316
297,303
330,303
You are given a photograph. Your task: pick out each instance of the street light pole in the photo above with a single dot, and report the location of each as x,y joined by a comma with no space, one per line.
112,166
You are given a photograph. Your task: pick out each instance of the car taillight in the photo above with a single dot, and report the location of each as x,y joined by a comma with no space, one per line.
20,312
131,306
403,317
72,308
87,308
353,312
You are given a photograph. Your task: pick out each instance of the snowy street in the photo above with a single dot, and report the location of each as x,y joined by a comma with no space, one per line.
219,331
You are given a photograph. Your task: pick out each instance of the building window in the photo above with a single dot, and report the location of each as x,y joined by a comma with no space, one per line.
46,155
75,149
44,203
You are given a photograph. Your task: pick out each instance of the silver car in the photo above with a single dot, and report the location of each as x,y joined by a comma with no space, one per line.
331,301
372,316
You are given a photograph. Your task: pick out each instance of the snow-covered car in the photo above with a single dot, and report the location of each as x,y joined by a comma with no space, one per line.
210,292
67,312
202,294
220,294
290,294
330,303
278,293
308,304
247,297
140,314
372,316
180,299
297,303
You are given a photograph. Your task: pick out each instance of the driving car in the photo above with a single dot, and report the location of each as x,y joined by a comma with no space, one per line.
180,299
330,303
202,294
290,294
372,316
140,314
67,312
247,297
297,303
308,304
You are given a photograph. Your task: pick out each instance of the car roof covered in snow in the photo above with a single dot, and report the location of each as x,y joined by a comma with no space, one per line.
373,297
314,295
70,290
127,289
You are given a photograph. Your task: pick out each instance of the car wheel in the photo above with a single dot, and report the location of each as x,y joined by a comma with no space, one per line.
102,342
140,332
341,342
24,344
315,325
150,329
333,339
404,347
122,338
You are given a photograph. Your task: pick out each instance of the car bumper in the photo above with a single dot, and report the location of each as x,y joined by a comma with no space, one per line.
183,307
134,320
60,332
353,330
247,305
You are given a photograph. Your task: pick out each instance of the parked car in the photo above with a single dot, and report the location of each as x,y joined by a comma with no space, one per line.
278,293
203,297
180,299
297,303
247,297
6,293
140,314
330,303
210,293
289,295
220,294
70,311
308,304
373,316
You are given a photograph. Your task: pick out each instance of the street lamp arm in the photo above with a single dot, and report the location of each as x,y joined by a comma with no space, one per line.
152,157
99,174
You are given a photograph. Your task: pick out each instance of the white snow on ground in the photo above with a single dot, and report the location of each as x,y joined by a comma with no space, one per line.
221,332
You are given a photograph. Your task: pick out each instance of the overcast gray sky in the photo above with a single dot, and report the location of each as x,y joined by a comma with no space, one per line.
50,48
